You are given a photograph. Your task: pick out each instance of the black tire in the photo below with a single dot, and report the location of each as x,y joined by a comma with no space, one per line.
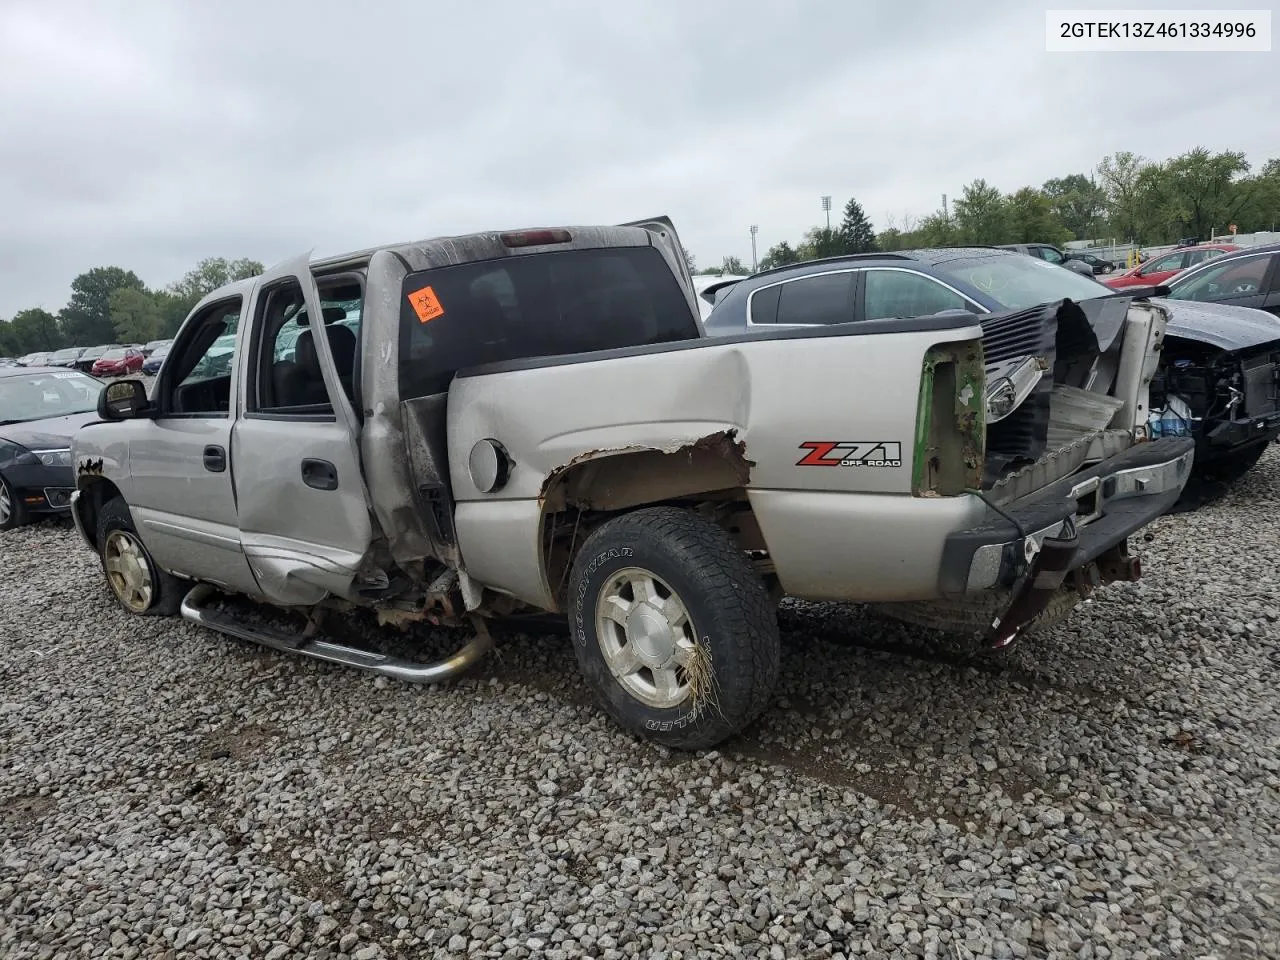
115,525
730,634
1229,468
17,512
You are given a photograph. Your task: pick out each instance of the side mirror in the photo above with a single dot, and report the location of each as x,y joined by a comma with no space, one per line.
123,400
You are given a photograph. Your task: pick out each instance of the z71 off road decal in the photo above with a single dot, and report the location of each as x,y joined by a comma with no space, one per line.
851,453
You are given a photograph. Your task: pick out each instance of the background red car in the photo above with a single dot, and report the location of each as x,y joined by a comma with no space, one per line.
1159,269
118,361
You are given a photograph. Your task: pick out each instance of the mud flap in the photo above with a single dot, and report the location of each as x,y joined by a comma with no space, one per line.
1032,593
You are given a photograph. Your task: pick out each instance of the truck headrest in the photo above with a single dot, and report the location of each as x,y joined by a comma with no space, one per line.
342,343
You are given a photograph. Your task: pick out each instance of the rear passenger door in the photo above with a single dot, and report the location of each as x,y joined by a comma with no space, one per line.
303,511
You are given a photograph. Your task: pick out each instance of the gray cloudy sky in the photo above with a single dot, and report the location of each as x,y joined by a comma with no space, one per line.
151,133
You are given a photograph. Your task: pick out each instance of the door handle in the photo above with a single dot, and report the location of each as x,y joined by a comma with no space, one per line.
215,459
320,474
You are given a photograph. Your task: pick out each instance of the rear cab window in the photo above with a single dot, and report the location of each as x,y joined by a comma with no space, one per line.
536,305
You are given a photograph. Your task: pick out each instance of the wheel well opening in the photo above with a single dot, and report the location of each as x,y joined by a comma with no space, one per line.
709,476
95,493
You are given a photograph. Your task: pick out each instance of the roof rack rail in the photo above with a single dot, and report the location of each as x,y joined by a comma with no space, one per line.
840,258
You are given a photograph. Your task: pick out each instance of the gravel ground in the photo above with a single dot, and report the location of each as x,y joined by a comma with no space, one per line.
1111,789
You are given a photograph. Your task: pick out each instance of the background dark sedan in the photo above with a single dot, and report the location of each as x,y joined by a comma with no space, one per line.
1096,263
89,357
151,365
66,357
40,409
153,345
1051,254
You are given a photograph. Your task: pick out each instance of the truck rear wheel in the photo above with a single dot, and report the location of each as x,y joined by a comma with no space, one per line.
673,628
136,582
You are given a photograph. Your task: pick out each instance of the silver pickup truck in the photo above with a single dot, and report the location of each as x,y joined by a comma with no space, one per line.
468,428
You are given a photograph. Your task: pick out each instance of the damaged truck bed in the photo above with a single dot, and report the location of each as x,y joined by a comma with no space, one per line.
534,420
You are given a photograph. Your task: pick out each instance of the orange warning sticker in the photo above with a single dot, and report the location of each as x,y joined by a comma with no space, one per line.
425,304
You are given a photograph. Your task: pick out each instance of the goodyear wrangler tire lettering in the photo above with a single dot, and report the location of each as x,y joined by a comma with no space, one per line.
580,633
673,629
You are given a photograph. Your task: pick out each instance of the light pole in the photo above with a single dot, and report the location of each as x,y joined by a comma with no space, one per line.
754,263
826,205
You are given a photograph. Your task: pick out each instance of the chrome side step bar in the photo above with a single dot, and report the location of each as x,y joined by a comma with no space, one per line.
194,609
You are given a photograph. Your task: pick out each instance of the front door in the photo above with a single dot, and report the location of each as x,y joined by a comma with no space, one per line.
182,497
303,511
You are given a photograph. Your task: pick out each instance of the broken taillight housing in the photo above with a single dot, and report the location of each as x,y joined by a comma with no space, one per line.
950,441
534,238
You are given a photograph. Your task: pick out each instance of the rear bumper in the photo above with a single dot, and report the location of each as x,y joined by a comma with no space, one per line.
1104,504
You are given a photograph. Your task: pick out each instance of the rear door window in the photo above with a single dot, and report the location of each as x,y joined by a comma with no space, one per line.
824,299
539,305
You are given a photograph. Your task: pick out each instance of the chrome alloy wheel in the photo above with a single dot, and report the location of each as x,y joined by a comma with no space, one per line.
128,571
647,637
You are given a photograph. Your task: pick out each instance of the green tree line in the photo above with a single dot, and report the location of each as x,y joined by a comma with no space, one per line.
112,305
1128,198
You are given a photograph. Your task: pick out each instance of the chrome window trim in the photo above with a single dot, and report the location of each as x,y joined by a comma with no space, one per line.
860,269
786,280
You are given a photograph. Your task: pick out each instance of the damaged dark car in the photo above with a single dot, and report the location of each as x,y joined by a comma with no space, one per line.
40,410
1216,381
1219,381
